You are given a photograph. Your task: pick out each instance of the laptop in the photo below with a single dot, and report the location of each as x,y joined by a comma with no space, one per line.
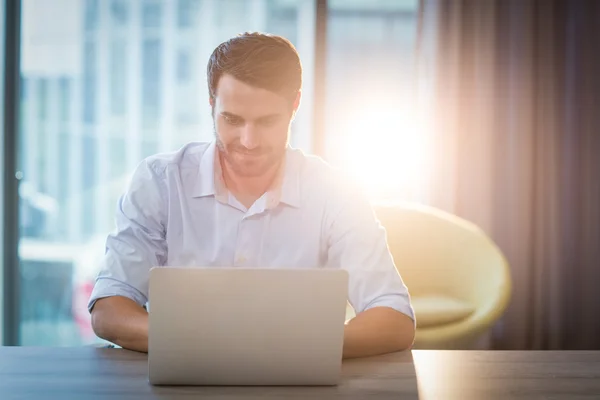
246,326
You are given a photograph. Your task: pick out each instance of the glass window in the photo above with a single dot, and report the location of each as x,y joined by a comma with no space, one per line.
89,82
188,81
151,81
149,147
102,108
118,76
64,98
151,14
370,55
118,157
187,12
91,14
43,99
89,151
283,18
42,137
119,11
233,13
64,189
184,66
46,293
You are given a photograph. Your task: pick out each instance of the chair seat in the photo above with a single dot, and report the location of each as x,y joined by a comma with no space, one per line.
436,310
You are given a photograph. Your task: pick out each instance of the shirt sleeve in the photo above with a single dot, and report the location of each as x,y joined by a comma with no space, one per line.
357,243
138,242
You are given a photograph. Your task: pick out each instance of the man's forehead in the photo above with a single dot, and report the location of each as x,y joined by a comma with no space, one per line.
240,99
264,116
228,86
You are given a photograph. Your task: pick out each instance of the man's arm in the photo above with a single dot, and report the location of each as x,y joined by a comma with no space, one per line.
121,321
138,244
357,243
379,330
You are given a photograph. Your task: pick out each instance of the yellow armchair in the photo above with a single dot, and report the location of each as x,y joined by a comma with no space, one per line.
458,279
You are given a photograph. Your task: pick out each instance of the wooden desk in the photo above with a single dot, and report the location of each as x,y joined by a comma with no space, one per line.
91,373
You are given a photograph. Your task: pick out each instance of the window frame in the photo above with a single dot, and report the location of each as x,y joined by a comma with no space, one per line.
11,42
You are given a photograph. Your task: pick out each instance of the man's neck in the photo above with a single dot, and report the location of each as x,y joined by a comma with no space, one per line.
248,189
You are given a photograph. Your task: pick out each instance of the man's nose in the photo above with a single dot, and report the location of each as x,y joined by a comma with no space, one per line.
249,137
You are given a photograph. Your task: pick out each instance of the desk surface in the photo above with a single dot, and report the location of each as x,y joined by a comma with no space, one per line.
92,373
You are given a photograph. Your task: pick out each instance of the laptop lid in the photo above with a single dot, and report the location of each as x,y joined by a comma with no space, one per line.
237,326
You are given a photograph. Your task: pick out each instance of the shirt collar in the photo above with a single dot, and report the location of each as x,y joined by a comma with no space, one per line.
290,187
210,179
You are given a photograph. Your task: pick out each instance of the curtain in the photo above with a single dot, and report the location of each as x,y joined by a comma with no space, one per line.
516,107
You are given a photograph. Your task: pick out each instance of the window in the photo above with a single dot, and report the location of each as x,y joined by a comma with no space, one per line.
118,156
151,81
42,137
133,83
42,100
118,76
149,148
187,12
370,53
283,19
91,14
184,67
89,151
119,12
46,292
233,13
89,82
64,189
188,82
64,99
151,14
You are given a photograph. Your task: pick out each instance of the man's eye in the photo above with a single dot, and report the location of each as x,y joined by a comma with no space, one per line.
269,122
232,120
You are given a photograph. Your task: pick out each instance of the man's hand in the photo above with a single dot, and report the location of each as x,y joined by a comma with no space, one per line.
376,331
121,321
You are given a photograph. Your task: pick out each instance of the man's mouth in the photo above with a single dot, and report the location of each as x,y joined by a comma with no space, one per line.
247,154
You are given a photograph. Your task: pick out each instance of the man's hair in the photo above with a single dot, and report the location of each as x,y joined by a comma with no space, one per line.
261,60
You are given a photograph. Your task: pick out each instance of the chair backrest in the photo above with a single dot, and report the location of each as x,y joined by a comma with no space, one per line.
439,253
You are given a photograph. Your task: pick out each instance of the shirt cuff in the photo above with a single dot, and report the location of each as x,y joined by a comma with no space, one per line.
397,302
108,287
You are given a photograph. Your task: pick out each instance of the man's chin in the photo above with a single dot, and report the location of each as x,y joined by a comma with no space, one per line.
250,171
251,168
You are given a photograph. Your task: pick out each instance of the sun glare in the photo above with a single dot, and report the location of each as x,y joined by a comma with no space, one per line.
387,151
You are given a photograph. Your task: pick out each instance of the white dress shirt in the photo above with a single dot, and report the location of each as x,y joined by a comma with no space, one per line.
177,212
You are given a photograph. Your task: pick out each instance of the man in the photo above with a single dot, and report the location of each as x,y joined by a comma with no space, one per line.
248,199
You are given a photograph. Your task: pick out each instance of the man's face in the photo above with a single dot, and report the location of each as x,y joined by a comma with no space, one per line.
251,126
